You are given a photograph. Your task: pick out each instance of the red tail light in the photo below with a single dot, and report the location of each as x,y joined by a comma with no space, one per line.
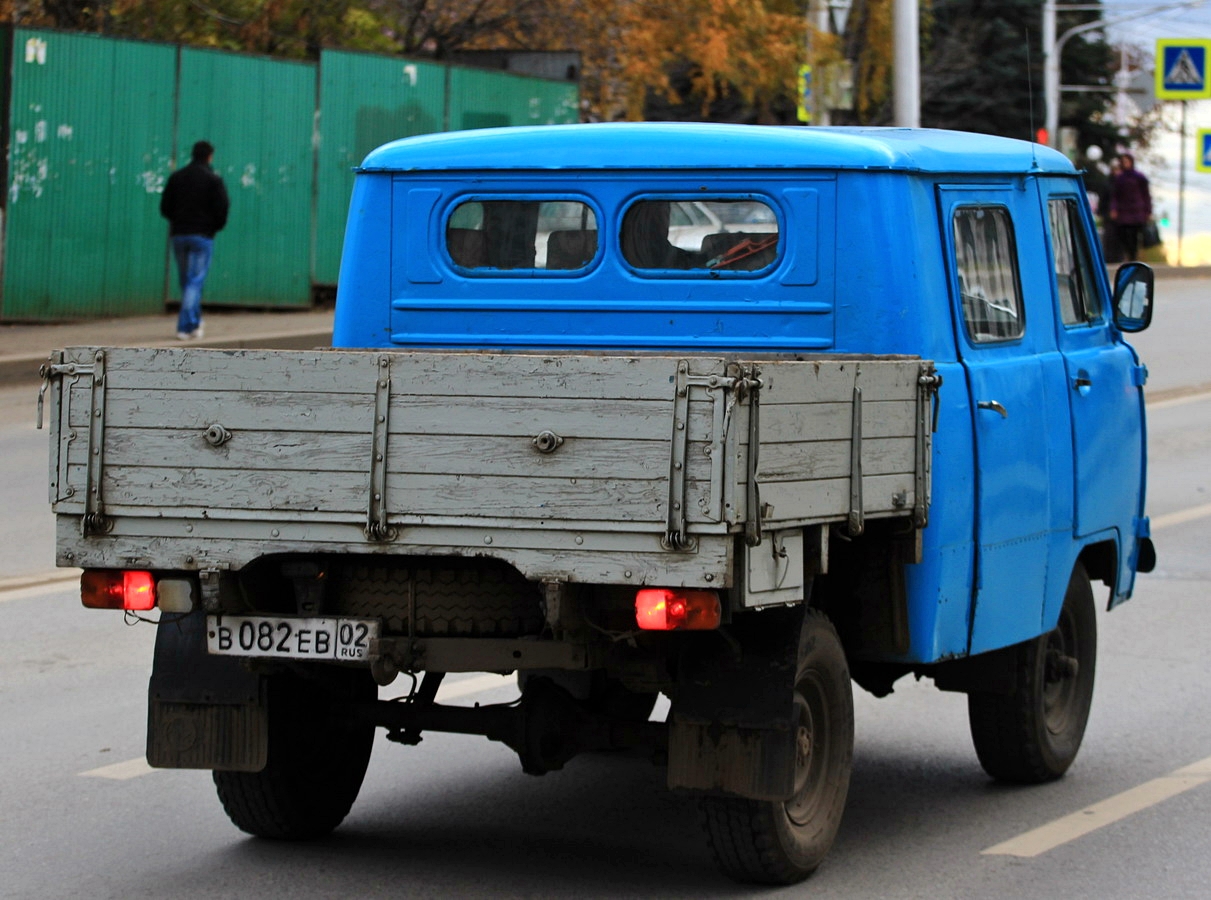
116,589
676,609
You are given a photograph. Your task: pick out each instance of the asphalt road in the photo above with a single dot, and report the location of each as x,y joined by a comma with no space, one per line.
80,814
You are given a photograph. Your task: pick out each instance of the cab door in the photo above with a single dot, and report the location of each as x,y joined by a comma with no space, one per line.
1104,380
1007,388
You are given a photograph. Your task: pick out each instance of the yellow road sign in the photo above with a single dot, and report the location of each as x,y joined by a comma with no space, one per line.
805,95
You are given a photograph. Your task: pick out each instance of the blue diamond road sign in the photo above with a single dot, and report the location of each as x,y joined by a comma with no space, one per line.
1181,69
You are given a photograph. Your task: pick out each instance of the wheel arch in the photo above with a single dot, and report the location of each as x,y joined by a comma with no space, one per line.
1100,560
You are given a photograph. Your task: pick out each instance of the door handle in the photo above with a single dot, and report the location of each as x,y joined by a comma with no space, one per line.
1082,385
995,407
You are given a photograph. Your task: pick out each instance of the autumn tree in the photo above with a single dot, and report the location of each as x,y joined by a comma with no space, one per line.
687,58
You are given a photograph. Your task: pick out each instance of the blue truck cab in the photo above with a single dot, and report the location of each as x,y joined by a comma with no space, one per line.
978,253
734,415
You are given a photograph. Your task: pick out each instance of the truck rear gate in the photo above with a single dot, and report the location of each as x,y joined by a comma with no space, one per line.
637,469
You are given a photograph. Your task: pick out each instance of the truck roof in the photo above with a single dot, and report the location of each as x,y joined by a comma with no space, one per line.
698,145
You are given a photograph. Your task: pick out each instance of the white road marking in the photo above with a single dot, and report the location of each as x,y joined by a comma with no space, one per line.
468,686
1182,516
1091,818
123,771
1176,397
55,576
39,590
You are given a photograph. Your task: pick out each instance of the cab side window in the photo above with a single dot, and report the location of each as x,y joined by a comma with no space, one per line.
1073,263
989,285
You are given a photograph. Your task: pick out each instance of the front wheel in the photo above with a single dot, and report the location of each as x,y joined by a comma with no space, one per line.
317,759
1032,734
783,842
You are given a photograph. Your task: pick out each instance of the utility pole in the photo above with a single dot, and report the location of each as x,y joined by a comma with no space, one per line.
1181,189
907,55
1051,75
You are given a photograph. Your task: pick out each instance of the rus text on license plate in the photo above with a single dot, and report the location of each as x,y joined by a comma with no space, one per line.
289,637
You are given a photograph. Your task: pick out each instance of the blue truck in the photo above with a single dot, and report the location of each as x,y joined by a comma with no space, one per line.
736,415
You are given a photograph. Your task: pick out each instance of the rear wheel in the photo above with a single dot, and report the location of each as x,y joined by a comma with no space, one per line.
317,759
783,842
1033,734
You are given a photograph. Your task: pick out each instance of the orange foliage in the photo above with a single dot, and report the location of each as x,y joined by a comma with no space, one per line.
629,47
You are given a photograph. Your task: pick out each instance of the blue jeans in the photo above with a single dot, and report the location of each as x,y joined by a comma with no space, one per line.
193,262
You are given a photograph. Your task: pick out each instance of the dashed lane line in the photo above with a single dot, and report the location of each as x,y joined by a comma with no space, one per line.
1181,517
479,684
1178,396
123,771
1068,828
24,586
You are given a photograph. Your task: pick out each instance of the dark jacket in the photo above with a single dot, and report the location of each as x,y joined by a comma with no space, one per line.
195,201
1130,199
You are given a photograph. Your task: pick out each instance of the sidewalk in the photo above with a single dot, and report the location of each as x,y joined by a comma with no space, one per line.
23,348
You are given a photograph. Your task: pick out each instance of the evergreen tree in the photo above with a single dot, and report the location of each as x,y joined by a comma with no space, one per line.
982,70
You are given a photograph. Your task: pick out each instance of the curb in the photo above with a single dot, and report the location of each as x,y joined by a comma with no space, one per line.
1162,272
23,369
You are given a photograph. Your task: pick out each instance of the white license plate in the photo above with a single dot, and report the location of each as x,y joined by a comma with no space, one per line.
289,637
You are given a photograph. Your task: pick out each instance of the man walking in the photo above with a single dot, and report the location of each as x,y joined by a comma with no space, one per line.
195,204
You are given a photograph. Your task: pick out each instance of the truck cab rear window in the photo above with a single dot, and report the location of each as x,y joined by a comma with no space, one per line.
711,235
522,234
706,235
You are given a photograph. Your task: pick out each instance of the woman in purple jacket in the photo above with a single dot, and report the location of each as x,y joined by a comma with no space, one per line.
1130,205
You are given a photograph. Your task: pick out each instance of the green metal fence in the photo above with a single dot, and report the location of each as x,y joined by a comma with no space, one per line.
83,237
486,99
95,126
365,101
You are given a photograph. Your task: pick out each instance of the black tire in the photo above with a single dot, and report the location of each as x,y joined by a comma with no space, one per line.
317,759
1032,735
784,842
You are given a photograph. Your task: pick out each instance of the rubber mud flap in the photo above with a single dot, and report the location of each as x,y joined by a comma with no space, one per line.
203,711
747,762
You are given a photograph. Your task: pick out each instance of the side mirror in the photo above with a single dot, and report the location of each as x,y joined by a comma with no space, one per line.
1133,297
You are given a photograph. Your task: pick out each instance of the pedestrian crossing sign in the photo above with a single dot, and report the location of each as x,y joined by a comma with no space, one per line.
1202,159
1181,68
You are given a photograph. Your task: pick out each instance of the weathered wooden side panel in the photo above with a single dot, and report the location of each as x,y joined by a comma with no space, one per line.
214,457
841,437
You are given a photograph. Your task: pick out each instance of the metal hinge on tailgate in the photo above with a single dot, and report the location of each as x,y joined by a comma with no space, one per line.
377,528
94,521
726,392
